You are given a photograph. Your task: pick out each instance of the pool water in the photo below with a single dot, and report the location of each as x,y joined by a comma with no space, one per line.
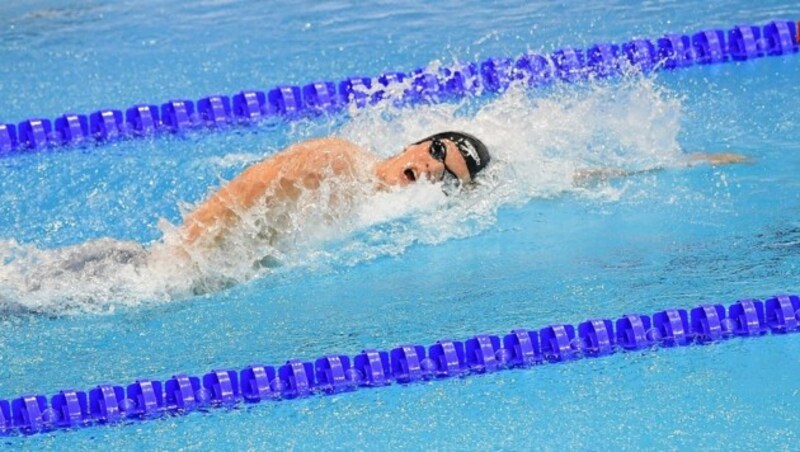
526,250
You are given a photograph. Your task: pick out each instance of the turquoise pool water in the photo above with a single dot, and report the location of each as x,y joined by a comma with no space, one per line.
537,251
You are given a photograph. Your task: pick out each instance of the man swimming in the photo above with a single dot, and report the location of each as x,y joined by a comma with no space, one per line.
339,166
267,213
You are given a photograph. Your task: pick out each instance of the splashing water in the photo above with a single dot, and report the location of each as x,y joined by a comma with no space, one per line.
538,143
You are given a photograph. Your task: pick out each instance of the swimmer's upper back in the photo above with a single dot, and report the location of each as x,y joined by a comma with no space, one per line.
281,177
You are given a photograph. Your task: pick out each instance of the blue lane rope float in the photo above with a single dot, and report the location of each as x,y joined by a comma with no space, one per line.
217,112
149,399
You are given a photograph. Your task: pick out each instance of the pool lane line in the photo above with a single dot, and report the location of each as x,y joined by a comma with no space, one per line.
147,399
420,86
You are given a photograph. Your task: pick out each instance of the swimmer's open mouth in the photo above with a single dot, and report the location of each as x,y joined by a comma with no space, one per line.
409,173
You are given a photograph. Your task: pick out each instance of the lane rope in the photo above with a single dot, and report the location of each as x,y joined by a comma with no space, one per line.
336,373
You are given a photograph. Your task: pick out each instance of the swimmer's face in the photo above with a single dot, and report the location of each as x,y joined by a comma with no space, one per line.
427,160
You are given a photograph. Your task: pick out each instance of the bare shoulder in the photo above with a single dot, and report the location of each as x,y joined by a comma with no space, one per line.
327,145
337,153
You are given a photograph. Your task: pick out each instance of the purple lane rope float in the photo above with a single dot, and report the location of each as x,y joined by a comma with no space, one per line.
219,112
149,399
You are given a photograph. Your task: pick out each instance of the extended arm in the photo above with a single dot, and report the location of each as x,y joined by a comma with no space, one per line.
584,176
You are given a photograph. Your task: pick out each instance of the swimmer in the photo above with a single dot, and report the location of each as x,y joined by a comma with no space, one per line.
270,209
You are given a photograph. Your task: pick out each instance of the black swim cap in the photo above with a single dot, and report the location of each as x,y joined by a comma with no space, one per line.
472,149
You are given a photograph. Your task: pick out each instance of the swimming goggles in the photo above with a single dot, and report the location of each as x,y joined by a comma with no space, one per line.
438,151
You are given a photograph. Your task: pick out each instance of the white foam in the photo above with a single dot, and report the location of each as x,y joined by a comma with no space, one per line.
537,142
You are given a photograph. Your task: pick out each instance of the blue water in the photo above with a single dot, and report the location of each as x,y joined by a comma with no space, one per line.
540,252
